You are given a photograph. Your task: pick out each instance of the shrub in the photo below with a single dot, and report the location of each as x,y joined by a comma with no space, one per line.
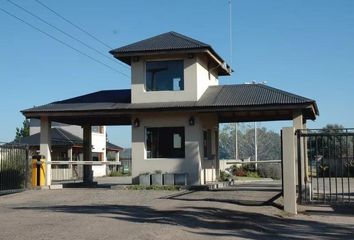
249,167
224,176
269,170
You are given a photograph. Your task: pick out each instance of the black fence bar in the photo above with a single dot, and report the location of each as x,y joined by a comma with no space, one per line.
347,163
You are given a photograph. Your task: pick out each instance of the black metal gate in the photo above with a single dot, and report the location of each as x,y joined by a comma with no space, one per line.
14,168
326,165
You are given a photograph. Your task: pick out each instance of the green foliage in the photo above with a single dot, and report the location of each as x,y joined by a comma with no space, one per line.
154,187
12,171
333,128
119,174
23,131
246,170
224,176
252,175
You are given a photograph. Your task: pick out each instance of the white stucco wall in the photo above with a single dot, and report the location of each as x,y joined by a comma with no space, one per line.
194,159
206,77
99,146
196,80
191,164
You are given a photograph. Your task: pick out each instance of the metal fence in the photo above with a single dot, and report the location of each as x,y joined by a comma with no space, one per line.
14,168
329,165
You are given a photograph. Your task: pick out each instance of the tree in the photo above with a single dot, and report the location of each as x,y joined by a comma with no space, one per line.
268,143
23,131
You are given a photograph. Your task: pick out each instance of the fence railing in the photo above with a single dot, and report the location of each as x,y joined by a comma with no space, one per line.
14,168
329,165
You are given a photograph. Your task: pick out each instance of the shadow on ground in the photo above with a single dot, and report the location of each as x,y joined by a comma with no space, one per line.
211,221
241,202
244,195
330,210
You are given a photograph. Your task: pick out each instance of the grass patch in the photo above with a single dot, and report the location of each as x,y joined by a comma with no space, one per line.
252,175
119,174
154,187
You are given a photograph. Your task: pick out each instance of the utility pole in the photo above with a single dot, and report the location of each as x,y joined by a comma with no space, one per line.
236,142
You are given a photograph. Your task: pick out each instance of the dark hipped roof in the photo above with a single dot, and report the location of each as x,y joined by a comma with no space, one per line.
249,95
243,97
111,146
61,137
170,42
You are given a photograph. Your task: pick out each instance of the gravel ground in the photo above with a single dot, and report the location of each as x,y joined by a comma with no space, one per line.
240,212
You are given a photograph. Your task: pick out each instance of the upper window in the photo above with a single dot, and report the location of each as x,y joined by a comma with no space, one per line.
165,142
164,76
97,129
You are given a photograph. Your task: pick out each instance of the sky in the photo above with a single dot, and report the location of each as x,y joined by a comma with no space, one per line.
305,47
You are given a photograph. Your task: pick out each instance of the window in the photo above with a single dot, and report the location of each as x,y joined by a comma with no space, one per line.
97,156
97,129
164,76
207,144
166,142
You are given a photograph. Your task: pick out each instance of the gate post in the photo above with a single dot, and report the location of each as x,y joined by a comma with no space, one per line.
45,145
289,170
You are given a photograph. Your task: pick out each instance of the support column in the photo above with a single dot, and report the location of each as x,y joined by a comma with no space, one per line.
70,154
298,124
70,158
289,170
87,152
44,148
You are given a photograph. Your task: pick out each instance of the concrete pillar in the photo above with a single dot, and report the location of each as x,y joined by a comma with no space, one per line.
70,154
117,157
289,170
44,148
87,150
298,121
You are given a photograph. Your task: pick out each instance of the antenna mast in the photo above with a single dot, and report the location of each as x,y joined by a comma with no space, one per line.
231,50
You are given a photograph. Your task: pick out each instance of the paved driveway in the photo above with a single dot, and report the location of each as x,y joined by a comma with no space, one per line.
128,214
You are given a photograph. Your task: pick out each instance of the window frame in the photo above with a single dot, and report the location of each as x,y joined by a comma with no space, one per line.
163,60
183,143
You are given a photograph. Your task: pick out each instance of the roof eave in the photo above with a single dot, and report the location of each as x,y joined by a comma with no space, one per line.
309,110
126,57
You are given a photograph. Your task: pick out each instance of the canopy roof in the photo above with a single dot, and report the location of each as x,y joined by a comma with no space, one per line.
232,103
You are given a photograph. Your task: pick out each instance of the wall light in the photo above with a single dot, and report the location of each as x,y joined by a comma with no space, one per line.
191,121
136,122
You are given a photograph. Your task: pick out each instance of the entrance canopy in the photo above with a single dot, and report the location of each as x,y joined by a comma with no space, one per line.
232,103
